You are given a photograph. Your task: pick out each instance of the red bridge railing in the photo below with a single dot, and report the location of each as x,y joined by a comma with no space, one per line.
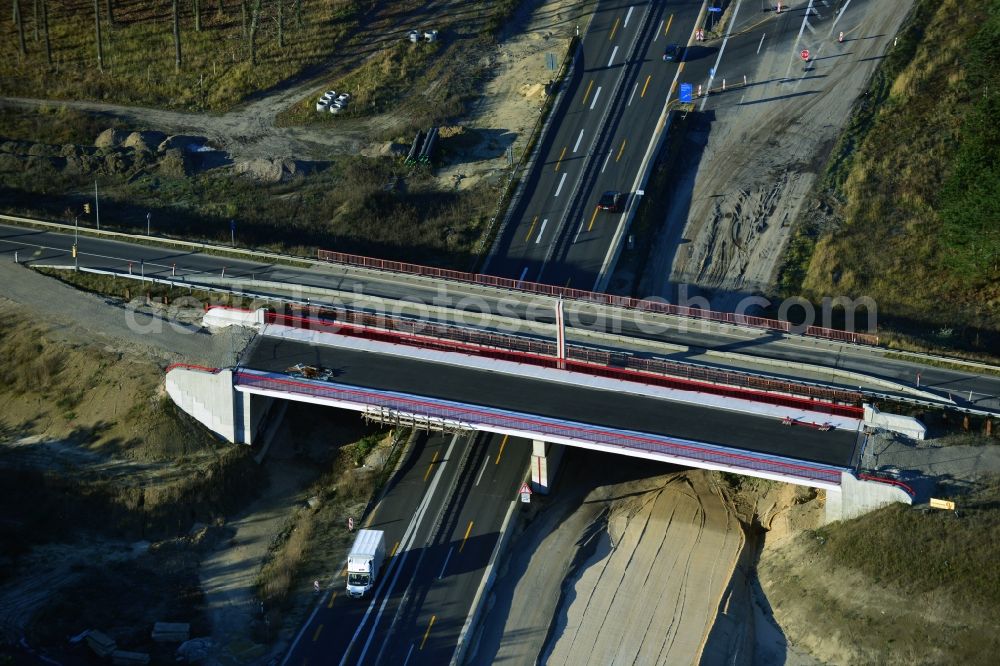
893,482
591,297
580,359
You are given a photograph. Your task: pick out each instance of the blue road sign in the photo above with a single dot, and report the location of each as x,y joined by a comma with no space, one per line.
232,225
715,9
686,93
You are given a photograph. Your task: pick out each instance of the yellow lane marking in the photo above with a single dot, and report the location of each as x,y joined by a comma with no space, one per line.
429,467
526,238
503,443
587,94
591,225
669,21
614,29
645,85
673,86
467,531
559,161
621,150
394,549
318,630
333,596
428,632
680,68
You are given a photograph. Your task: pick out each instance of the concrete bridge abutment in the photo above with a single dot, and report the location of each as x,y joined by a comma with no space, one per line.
210,398
857,496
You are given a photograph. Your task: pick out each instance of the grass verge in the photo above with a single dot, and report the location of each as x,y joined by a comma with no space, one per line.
370,206
901,585
912,213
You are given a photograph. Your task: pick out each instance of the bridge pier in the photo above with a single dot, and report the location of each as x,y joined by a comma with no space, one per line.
545,458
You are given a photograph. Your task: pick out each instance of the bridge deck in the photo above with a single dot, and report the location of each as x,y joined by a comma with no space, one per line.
582,404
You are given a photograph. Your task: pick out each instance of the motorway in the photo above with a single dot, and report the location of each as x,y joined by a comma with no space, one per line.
382,291
600,131
577,403
441,515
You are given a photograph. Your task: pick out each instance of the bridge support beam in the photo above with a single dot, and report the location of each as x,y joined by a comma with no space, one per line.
545,458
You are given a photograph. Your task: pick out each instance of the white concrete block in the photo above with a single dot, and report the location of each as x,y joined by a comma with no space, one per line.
904,425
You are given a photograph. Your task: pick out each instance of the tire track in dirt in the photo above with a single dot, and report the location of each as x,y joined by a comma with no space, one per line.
651,596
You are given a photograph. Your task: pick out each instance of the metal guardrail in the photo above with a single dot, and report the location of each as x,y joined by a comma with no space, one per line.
581,359
893,482
476,416
591,297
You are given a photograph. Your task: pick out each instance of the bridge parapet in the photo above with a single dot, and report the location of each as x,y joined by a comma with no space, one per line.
592,297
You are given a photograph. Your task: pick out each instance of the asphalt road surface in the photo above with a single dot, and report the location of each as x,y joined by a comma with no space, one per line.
597,139
579,404
48,247
441,516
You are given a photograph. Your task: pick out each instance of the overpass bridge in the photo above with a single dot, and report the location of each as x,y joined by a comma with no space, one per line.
772,432
721,339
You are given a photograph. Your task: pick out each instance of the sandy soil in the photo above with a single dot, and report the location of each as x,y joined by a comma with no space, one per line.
680,535
504,114
166,335
511,103
759,162
575,585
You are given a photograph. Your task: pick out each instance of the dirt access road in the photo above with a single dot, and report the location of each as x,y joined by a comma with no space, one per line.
250,131
508,105
747,173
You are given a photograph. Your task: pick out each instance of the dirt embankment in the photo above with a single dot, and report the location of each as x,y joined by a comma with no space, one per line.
103,480
619,567
758,160
679,533
901,585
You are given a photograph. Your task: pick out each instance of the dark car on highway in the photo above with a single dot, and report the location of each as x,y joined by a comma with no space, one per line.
672,53
611,201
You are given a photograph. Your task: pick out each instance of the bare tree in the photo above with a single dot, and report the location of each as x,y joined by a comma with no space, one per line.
254,16
298,13
111,13
197,16
281,25
177,39
246,21
45,29
97,29
20,27
34,11
220,10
